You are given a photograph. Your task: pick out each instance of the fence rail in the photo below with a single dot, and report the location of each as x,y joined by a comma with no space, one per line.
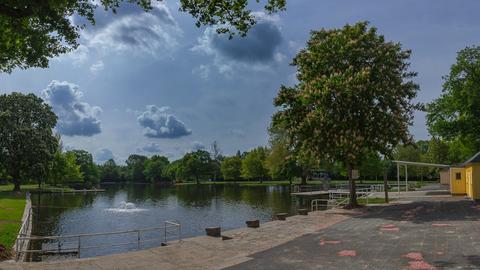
20,243
73,244
340,197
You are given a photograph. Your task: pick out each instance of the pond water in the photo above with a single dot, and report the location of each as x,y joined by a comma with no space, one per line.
129,207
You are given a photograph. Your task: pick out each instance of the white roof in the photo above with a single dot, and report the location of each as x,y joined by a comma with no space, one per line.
413,163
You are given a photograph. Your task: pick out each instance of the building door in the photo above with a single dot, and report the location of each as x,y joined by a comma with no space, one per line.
469,183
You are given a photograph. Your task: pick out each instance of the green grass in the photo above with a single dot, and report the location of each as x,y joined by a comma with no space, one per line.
372,200
11,212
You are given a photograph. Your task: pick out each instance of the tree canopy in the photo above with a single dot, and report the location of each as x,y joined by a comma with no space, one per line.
353,96
27,144
455,115
155,169
31,32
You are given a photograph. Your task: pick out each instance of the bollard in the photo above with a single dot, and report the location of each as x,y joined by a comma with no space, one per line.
303,212
282,216
253,223
213,231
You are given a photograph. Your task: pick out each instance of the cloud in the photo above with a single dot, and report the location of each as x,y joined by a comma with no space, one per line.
203,71
151,148
102,155
97,67
236,133
157,123
196,145
257,50
75,118
136,31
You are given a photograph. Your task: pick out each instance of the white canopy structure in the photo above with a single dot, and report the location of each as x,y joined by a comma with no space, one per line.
412,163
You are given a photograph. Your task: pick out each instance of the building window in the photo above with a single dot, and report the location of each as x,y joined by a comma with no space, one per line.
458,176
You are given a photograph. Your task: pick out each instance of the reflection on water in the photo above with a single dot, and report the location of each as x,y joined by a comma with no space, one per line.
127,207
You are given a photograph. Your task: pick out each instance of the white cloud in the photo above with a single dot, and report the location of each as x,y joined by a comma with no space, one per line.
97,67
74,117
158,123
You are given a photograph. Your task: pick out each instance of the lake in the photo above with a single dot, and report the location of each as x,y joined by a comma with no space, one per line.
129,206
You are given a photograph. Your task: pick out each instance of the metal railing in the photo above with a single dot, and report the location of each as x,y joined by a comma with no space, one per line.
75,244
340,197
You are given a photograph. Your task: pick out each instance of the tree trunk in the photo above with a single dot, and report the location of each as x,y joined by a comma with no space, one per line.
16,181
353,191
385,185
198,181
304,180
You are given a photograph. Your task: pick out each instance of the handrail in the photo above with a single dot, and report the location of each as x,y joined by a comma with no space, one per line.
166,229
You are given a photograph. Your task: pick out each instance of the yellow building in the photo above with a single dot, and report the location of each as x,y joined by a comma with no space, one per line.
465,178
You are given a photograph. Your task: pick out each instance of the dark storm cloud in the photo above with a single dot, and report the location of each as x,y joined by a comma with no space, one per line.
75,118
259,46
157,123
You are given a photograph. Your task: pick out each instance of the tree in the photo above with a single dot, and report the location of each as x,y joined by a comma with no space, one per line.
27,144
155,169
33,31
232,168
88,169
110,172
438,151
354,96
217,157
455,115
281,162
253,165
136,167
371,165
196,165
64,169
174,171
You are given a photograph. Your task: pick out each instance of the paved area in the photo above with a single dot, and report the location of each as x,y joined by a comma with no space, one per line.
204,252
432,234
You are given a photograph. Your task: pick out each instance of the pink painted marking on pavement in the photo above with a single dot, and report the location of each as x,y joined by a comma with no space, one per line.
390,229
421,265
416,256
331,242
347,253
388,226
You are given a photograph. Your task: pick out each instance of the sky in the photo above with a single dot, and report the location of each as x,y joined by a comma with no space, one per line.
154,83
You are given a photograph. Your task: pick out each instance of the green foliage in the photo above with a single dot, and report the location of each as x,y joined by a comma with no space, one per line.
195,165
31,32
64,169
455,115
371,165
354,96
155,169
174,171
253,165
88,169
231,168
135,168
110,172
27,144
281,162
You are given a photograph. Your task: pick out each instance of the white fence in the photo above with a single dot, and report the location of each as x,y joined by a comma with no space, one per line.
340,197
21,243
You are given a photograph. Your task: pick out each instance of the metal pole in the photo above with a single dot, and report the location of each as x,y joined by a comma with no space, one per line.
398,178
78,249
165,233
406,178
138,239
17,255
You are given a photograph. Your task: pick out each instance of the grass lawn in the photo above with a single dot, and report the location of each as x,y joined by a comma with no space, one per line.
11,212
